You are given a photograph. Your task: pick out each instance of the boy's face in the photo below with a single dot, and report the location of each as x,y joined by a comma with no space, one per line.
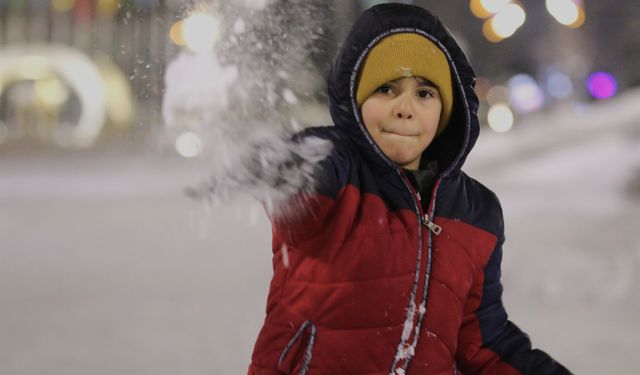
402,117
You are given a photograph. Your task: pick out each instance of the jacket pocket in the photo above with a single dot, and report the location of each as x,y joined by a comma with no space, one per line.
297,355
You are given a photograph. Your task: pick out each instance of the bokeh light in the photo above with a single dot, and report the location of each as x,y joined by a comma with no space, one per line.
63,5
175,33
489,32
500,118
602,85
494,6
33,67
559,85
498,94
200,31
51,92
189,144
508,20
108,8
566,12
486,8
526,95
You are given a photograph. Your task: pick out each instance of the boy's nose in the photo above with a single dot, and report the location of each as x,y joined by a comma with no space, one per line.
403,110
404,115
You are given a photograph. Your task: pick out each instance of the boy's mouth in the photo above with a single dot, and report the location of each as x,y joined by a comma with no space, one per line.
398,133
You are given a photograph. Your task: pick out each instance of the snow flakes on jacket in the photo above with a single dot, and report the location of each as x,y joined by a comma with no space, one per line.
379,279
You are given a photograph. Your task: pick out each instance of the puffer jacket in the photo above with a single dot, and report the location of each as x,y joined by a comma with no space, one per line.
375,279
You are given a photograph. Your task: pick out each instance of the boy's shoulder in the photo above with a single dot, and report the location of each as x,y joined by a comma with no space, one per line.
463,197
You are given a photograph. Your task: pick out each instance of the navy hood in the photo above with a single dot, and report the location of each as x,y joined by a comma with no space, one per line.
451,147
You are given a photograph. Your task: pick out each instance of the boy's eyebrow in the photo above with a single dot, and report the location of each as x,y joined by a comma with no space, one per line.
421,81
425,82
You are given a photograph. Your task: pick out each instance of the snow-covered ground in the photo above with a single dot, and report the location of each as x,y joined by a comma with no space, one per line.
107,268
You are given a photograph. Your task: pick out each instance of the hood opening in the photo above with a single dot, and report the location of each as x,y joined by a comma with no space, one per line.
451,147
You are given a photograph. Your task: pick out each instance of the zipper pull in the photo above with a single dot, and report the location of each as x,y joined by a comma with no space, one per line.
435,228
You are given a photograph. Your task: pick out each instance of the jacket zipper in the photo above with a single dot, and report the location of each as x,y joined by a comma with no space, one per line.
426,221
433,227
399,363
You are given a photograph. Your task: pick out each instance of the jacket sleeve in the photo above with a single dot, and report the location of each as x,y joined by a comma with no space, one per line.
319,215
488,343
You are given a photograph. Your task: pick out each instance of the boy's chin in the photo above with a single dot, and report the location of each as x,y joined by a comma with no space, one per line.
404,161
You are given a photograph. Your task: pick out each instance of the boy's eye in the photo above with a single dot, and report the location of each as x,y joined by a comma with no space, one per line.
385,89
425,93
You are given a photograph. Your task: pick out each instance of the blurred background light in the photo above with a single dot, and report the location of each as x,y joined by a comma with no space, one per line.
200,32
602,85
526,95
494,6
500,118
33,67
486,8
498,94
508,20
489,32
51,92
107,8
83,10
63,5
566,12
189,144
175,33
559,85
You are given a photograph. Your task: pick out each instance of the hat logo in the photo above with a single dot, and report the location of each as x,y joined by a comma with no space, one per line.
406,72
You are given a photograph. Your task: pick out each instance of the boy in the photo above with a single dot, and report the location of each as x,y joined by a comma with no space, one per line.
396,269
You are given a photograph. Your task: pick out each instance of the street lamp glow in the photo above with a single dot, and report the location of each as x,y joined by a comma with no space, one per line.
200,32
602,85
559,85
508,20
567,12
486,8
526,95
489,33
51,92
175,33
494,6
33,67
189,145
500,118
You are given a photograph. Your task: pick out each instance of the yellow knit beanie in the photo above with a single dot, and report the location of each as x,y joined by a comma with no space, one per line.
407,55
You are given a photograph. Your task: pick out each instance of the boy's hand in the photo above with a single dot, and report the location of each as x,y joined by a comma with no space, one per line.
273,169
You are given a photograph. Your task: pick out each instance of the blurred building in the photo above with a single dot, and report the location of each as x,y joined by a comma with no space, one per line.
71,70
118,49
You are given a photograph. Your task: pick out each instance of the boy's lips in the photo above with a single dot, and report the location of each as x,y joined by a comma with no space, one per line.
398,133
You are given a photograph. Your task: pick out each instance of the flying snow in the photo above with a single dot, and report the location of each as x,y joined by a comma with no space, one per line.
238,98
